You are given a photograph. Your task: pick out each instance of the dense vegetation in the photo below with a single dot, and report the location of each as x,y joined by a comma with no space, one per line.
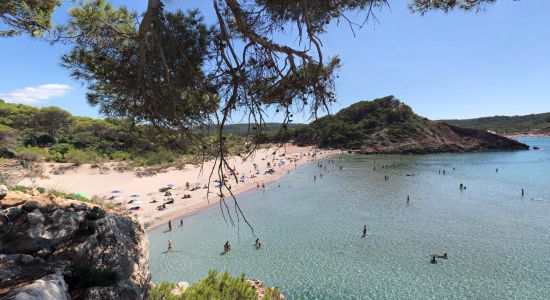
53,134
244,130
214,286
508,125
355,125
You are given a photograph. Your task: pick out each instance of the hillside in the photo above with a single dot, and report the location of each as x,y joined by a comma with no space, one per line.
534,124
387,125
53,134
243,130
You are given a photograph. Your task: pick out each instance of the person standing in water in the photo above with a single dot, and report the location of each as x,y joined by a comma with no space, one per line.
258,244
181,222
226,247
408,199
365,231
169,225
522,192
169,246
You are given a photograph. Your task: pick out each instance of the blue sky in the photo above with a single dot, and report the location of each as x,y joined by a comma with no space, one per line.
456,65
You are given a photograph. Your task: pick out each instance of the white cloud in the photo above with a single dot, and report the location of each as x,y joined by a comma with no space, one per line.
34,95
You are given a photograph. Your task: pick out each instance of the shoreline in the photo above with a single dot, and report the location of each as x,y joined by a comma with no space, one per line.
187,195
184,211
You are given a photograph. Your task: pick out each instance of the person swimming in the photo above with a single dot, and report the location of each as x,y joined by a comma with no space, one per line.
258,244
433,260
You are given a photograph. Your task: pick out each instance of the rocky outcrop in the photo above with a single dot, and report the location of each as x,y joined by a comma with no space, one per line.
53,248
444,138
387,125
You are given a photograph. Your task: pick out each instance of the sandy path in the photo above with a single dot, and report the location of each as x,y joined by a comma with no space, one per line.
90,181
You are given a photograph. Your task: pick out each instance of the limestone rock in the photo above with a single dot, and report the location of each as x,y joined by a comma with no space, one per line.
3,191
96,213
35,217
181,287
48,236
30,205
50,287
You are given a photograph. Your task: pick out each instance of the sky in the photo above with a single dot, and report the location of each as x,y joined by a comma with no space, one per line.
445,66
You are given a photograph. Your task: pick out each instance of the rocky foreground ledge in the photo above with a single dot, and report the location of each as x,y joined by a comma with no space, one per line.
53,248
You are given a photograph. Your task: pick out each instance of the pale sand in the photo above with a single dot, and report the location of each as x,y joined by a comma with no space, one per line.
88,180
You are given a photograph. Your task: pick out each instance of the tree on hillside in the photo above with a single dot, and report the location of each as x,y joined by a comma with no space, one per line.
51,119
32,16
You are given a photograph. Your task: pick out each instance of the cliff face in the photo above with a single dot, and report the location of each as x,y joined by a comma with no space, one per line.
387,125
52,248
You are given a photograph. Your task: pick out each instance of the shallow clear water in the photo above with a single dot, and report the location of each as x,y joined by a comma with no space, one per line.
498,241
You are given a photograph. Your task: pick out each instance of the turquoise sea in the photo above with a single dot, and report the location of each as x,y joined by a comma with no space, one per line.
498,242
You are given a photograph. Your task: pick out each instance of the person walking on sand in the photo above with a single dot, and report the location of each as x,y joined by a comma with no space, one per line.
169,246
365,231
169,225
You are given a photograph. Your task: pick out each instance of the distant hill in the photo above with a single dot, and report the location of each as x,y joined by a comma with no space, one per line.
387,125
536,124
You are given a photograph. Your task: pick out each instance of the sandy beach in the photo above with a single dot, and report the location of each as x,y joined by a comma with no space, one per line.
143,192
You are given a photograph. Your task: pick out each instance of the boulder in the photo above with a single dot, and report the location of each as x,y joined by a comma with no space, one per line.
181,287
3,191
30,205
50,287
35,217
96,213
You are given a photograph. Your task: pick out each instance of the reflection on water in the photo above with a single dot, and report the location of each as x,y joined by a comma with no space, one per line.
310,231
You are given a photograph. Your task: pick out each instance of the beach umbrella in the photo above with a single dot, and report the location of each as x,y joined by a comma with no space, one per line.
116,191
135,196
170,185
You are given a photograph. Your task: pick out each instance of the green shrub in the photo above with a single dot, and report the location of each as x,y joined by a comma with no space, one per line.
215,286
156,158
121,156
78,156
30,153
58,151
162,290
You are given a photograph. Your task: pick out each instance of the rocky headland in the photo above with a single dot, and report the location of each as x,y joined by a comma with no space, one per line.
387,125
